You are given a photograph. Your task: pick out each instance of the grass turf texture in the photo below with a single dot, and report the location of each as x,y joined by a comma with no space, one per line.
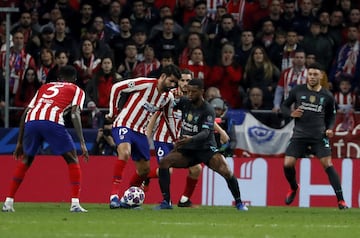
55,220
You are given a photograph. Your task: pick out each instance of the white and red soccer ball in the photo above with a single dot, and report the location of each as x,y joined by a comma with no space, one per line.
133,196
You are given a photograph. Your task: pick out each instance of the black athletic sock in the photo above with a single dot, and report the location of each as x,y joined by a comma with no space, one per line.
164,182
290,174
335,182
233,185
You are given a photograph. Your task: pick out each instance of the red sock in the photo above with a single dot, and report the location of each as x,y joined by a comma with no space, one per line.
18,177
190,186
75,179
117,176
136,180
153,173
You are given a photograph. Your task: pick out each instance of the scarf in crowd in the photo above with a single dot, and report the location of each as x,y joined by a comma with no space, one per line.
349,55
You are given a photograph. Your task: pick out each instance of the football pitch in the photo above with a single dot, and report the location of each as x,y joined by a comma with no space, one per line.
54,220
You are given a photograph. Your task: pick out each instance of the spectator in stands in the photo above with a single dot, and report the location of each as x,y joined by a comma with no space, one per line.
201,14
226,75
167,59
82,22
336,26
346,101
54,14
194,26
276,49
24,26
98,96
320,44
63,41
226,124
139,16
290,46
266,36
354,16
228,33
193,40
288,16
100,29
127,67
245,48
28,87
303,19
184,11
19,61
87,64
46,63
197,64
149,63
44,40
253,15
347,61
212,92
112,19
119,41
152,13
214,27
274,16
101,48
140,38
261,72
257,106
166,40
102,8
165,11
290,77
61,60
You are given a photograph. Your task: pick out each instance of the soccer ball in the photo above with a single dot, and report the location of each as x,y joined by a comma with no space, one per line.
133,196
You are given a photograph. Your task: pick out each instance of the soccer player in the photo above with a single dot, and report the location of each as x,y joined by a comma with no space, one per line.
314,116
145,96
164,139
196,145
43,121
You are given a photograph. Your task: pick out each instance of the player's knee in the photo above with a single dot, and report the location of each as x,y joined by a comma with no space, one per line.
195,171
164,164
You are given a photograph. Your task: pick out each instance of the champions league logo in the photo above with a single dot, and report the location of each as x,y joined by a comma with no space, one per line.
260,135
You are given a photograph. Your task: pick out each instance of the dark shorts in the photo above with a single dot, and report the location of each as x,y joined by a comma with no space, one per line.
300,148
56,135
140,148
162,149
198,156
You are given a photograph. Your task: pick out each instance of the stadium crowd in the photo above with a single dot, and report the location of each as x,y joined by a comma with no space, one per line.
252,51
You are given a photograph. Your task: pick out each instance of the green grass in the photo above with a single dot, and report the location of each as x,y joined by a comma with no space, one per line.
54,220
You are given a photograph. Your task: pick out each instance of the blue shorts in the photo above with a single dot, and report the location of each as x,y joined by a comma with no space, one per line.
162,149
140,148
56,135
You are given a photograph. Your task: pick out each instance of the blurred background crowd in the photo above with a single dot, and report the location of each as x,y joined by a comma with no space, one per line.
248,52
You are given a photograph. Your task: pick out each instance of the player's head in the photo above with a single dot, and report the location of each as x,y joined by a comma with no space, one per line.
195,90
315,74
186,76
169,77
67,74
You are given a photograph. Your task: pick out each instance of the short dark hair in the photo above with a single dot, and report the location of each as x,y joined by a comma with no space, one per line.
67,73
316,65
171,69
197,82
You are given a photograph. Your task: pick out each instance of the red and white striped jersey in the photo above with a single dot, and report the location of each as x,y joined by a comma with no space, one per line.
290,78
164,131
52,99
345,101
143,100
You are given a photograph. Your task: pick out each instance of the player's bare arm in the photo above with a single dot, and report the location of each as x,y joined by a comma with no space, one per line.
19,152
298,112
224,137
76,120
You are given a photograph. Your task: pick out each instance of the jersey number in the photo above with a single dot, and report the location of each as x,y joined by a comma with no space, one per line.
53,91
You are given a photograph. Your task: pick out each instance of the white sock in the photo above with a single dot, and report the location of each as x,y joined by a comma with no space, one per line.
9,200
183,198
114,195
75,201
